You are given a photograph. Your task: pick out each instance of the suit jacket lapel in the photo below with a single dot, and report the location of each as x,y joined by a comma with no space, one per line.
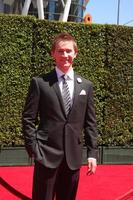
77,89
56,88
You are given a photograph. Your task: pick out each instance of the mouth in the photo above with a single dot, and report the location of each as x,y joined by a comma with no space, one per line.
65,61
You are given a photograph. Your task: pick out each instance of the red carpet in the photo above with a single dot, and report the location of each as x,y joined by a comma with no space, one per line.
111,182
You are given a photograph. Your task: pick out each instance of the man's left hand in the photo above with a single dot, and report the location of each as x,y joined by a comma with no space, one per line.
92,165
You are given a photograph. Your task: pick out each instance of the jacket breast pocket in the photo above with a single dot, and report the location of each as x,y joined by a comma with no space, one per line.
82,100
82,97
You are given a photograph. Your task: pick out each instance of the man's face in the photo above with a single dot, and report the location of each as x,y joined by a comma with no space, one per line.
64,55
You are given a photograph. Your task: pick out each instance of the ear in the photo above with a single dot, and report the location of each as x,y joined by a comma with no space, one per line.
76,52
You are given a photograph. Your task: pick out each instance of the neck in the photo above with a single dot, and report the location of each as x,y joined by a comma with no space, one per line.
65,70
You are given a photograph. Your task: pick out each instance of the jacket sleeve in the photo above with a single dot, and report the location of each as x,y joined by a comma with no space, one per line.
30,115
90,128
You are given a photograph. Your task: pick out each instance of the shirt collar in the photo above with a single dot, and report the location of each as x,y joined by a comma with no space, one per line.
70,73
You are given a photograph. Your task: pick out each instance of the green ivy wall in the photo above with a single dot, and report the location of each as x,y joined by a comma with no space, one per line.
105,57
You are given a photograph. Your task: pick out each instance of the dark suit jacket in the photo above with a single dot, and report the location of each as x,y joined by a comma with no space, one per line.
56,134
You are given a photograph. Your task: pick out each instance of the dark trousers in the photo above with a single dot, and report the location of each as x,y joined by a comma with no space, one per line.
60,183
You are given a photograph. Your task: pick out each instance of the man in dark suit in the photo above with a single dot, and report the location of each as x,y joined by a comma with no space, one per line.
64,107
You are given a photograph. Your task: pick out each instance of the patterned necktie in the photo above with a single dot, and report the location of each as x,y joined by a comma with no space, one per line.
66,95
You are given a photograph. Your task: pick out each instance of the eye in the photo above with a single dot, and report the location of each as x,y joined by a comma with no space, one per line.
60,51
68,51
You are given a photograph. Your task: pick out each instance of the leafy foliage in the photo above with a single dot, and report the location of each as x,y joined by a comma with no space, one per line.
104,57
16,34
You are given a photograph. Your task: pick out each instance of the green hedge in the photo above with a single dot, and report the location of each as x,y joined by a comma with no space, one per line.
105,57
119,104
16,36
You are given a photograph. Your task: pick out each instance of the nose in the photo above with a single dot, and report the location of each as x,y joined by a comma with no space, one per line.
65,54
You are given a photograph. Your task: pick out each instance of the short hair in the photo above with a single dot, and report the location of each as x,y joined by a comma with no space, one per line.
63,37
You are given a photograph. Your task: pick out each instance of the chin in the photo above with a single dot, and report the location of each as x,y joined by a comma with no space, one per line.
66,68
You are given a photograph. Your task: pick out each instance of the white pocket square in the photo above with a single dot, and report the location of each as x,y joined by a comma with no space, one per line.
83,92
